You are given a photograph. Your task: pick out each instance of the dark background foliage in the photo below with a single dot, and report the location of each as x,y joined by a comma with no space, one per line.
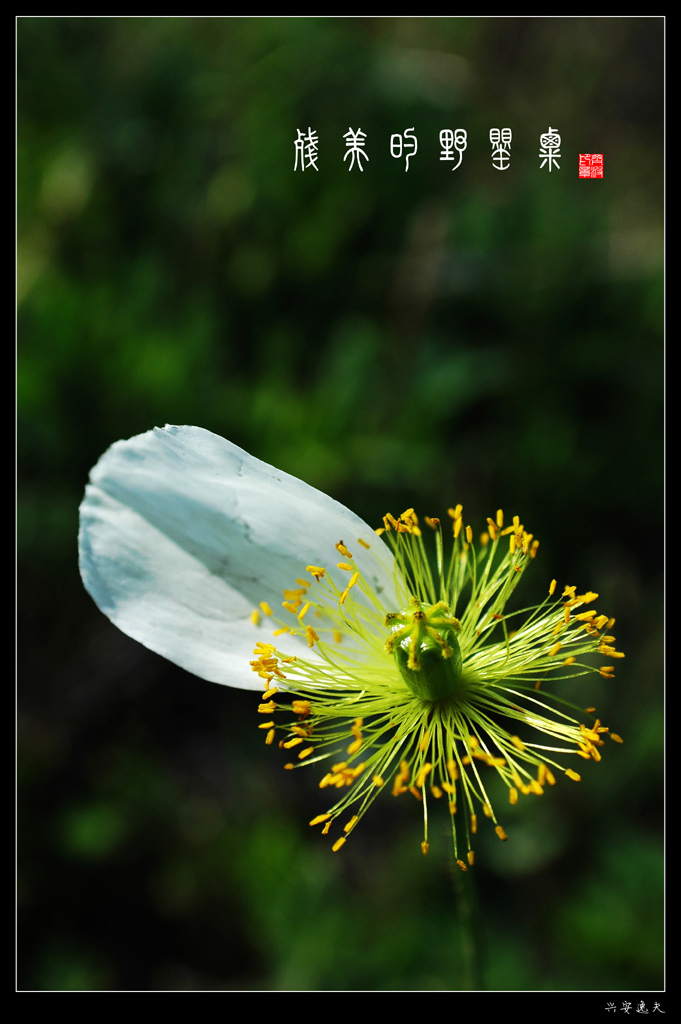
395,339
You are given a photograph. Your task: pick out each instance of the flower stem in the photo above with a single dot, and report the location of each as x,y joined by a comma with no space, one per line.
469,930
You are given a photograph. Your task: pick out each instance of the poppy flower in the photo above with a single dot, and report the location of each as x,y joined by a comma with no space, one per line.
387,658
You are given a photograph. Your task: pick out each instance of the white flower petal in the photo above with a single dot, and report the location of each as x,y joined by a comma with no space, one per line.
182,535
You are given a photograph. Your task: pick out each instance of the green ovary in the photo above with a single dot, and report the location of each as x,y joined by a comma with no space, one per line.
426,650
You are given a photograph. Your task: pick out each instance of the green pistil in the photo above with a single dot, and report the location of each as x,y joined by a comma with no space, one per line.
426,650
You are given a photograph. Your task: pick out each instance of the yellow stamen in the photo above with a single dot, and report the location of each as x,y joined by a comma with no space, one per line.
316,571
298,730
311,636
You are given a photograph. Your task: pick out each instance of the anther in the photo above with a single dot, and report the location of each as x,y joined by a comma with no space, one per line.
311,636
316,571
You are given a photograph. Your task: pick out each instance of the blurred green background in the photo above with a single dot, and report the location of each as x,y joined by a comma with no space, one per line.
396,339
